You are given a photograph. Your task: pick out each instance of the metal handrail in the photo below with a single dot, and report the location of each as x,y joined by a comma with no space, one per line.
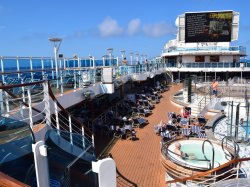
203,144
235,145
207,173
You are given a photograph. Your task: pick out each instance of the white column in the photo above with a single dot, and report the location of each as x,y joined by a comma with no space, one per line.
41,164
106,170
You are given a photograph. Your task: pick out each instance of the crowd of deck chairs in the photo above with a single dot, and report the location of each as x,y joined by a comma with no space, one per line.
181,125
131,115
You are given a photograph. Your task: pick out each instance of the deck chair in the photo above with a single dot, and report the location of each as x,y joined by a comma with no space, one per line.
144,112
140,102
147,105
186,132
167,135
138,122
154,99
118,133
198,131
135,111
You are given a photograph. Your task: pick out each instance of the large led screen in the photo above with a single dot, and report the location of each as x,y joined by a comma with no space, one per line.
208,27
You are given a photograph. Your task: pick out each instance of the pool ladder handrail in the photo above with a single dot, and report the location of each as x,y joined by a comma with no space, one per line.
235,146
211,165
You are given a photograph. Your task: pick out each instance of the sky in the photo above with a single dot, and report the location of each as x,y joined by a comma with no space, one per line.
89,27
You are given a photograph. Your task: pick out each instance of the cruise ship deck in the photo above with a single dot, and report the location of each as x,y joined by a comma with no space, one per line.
139,161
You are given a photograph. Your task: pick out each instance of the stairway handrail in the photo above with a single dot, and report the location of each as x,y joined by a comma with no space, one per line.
86,130
206,173
235,146
4,87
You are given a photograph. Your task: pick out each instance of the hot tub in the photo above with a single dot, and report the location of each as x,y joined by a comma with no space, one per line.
199,161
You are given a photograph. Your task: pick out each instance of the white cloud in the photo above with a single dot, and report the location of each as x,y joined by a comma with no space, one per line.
159,29
110,27
134,26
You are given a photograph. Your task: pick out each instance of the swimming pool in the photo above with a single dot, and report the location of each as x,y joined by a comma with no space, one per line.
194,147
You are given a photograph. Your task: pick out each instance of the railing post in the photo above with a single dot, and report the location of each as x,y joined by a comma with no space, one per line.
70,130
30,108
57,118
93,140
61,82
23,91
74,81
21,108
31,68
7,102
238,168
83,135
42,64
1,100
2,68
47,102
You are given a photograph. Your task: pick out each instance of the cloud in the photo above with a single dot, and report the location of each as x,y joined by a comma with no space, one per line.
158,29
109,27
134,26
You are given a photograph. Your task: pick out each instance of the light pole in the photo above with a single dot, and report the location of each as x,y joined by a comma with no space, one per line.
56,42
137,57
123,53
110,51
131,57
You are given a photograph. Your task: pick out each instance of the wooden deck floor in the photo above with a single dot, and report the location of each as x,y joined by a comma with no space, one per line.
139,161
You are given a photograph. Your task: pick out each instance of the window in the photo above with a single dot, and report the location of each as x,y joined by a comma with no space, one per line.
199,58
214,58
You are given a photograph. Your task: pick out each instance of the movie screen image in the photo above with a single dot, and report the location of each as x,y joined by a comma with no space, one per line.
208,27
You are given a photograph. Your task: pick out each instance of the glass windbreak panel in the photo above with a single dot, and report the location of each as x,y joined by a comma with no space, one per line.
16,157
66,151
99,62
73,63
24,63
9,65
47,63
36,64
